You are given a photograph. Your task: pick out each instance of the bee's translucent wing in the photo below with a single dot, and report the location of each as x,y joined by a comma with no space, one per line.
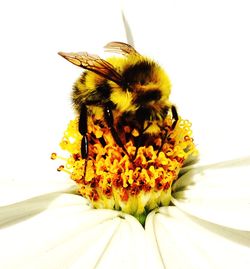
120,47
93,63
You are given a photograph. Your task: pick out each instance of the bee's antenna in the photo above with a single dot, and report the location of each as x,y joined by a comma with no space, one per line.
129,36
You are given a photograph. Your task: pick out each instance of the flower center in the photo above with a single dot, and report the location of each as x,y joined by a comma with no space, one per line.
136,181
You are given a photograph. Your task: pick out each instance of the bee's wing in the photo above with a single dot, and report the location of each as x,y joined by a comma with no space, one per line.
93,63
120,47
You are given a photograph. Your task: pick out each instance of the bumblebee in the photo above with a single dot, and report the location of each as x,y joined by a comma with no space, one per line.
129,90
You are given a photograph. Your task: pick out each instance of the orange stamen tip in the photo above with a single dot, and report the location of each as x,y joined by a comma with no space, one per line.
53,156
135,133
60,168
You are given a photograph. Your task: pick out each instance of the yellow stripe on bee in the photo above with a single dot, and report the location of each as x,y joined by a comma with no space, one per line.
97,111
153,128
80,85
122,99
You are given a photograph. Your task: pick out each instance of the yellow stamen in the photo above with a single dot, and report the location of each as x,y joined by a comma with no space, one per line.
61,168
109,178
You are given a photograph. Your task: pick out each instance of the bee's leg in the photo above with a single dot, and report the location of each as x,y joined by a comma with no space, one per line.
165,135
175,116
83,130
108,115
138,140
163,140
102,141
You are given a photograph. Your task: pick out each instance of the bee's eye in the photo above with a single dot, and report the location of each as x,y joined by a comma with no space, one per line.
148,96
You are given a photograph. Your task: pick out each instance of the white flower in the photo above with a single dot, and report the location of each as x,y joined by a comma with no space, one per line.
206,227
208,223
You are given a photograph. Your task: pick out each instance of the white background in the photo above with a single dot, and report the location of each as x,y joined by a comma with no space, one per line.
204,46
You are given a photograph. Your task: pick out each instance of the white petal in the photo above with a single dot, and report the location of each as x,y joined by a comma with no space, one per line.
125,247
15,190
190,171
18,212
186,242
217,193
68,234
